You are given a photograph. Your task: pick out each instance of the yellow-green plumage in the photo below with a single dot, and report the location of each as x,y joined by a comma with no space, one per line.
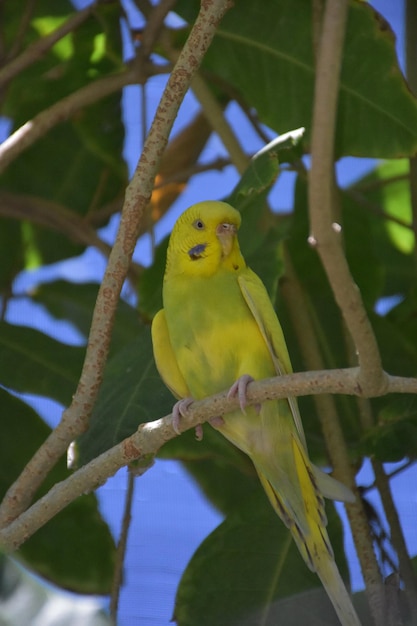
218,325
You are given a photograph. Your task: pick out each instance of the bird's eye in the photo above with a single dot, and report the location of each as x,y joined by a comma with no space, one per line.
199,225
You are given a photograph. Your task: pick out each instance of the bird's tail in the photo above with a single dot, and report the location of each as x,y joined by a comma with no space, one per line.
315,546
308,529
329,575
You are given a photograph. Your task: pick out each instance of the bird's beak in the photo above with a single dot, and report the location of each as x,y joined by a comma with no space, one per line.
226,234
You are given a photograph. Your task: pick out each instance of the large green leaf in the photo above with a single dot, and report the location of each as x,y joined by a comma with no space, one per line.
131,393
78,165
270,61
242,570
11,253
75,302
75,549
384,196
31,362
394,436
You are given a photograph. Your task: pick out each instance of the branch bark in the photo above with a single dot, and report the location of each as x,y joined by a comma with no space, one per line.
325,234
75,418
150,437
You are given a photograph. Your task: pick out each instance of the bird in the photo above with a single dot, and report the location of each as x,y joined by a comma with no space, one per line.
218,330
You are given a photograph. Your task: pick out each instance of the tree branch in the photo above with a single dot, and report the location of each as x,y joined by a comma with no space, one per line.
51,215
75,418
118,573
31,131
215,115
325,235
150,437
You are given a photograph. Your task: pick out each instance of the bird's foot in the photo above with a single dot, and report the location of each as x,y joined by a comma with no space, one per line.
178,411
199,432
239,389
216,422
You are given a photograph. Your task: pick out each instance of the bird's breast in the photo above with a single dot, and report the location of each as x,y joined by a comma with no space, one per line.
214,336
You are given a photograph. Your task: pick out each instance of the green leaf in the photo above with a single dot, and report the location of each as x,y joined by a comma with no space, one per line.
394,436
11,253
384,196
263,169
131,393
239,573
270,62
150,285
225,474
77,167
75,302
362,251
75,549
31,362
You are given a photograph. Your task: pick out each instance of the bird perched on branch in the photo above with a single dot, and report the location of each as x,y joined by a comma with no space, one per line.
218,330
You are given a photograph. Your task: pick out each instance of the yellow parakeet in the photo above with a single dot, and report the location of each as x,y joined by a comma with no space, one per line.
218,329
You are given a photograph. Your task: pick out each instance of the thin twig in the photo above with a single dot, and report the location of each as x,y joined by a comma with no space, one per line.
155,24
374,208
150,437
35,51
121,548
215,115
51,215
24,25
371,185
31,131
397,537
75,418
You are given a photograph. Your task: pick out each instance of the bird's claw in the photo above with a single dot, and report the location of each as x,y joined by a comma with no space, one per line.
239,389
178,411
199,432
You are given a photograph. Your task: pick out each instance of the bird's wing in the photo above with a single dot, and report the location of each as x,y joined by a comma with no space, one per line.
258,301
165,360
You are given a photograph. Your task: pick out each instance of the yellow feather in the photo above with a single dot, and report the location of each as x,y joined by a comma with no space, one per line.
217,325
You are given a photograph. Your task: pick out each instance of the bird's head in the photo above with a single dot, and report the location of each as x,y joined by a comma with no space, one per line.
204,240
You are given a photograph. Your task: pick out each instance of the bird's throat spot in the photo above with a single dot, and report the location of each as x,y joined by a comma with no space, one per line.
196,252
